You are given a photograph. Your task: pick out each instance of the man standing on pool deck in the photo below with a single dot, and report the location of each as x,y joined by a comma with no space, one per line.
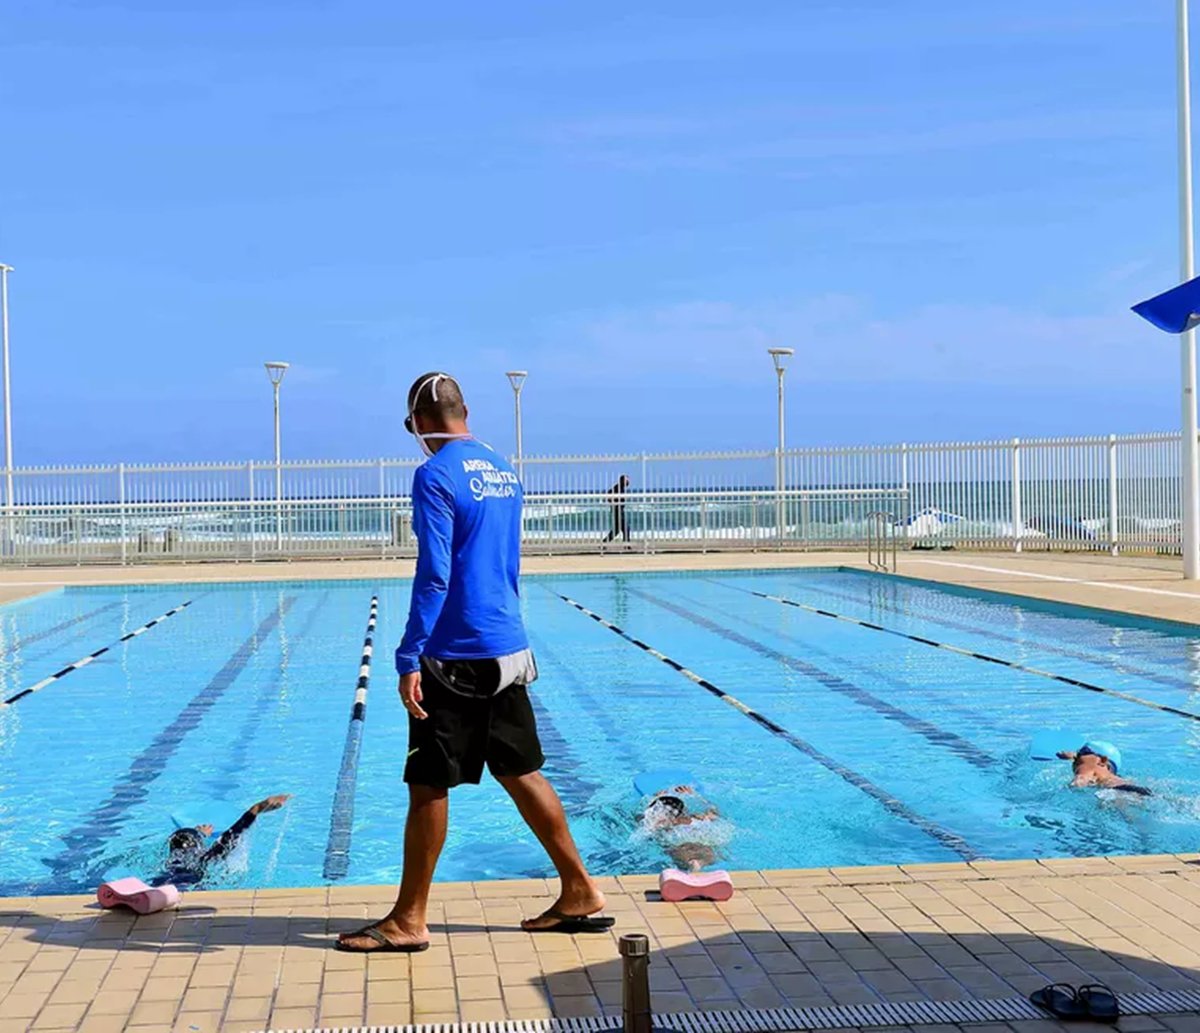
464,665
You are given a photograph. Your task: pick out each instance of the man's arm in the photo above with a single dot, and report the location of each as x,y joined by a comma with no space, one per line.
433,524
230,837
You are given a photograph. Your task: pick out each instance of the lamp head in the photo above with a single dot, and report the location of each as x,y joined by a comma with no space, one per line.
780,356
276,370
516,377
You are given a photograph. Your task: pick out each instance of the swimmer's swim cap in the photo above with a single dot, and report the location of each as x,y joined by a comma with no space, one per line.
1104,749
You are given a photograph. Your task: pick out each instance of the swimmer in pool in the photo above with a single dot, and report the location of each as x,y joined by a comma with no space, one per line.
189,859
668,810
1095,763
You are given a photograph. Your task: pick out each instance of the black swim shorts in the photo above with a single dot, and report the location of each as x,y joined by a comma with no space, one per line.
469,727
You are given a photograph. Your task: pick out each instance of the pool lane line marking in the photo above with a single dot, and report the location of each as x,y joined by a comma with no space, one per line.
92,656
956,744
341,815
1056,577
923,613
224,778
83,842
21,641
959,650
951,840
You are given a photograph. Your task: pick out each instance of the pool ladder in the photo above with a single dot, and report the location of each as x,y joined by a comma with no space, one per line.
881,541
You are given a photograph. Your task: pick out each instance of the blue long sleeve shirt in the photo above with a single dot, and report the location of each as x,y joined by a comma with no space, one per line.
465,597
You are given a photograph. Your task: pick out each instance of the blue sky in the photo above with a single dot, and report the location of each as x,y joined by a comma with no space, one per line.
945,207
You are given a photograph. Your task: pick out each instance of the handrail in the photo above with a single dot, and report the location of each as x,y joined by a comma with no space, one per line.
881,526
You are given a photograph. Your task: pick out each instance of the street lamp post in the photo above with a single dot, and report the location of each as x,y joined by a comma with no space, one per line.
1191,485
275,372
516,377
8,456
780,357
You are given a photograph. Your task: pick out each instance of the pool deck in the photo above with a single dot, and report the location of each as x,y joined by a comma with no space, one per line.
242,961
1146,586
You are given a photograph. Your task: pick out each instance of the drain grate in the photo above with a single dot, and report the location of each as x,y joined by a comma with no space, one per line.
780,1020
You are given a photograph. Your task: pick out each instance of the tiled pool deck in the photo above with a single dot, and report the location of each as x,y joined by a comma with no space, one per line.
238,961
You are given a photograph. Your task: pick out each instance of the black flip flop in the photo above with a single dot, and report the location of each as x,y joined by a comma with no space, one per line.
571,924
1100,1003
1061,1000
384,945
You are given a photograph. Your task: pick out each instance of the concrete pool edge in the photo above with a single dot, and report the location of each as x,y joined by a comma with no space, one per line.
1142,586
828,940
642,882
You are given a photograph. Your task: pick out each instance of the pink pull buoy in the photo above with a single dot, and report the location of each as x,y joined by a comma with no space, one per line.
675,885
136,895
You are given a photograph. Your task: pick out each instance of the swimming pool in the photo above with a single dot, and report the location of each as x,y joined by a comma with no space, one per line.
850,744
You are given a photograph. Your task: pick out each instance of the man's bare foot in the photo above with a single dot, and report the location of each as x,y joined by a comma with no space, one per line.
395,935
576,902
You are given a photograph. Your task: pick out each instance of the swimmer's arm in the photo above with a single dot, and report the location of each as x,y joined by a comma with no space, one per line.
1066,754
229,838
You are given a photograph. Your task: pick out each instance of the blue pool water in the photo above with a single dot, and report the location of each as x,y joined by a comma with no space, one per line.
881,749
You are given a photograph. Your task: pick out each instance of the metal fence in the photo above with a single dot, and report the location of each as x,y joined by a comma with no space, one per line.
1101,493
155,532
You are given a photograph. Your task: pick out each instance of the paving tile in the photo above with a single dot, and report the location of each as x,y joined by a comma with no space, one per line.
197,1022
298,995
113,1002
249,1009
334,1008
154,1013
490,1010
59,1016
102,1023
580,1006
293,1018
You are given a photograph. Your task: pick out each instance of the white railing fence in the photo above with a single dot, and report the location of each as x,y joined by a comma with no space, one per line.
1100,493
153,532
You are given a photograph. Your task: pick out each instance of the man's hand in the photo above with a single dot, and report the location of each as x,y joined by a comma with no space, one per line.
410,694
271,803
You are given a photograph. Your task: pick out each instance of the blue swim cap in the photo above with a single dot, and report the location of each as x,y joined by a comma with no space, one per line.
1104,749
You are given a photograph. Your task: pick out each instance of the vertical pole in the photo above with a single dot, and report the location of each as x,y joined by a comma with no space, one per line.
383,514
9,499
1189,456
278,479
252,510
635,982
8,453
121,496
520,443
646,509
1112,494
1017,522
779,465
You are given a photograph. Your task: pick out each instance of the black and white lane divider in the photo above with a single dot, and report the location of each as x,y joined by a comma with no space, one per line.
92,656
1064,679
947,838
341,817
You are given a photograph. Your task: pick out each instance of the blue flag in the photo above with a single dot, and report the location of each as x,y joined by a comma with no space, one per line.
1176,311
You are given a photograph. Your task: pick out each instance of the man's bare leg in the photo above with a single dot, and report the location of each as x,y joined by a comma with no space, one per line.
424,836
543,813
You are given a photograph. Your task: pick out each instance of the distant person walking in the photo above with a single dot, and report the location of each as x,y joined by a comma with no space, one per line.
464,666
620,526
